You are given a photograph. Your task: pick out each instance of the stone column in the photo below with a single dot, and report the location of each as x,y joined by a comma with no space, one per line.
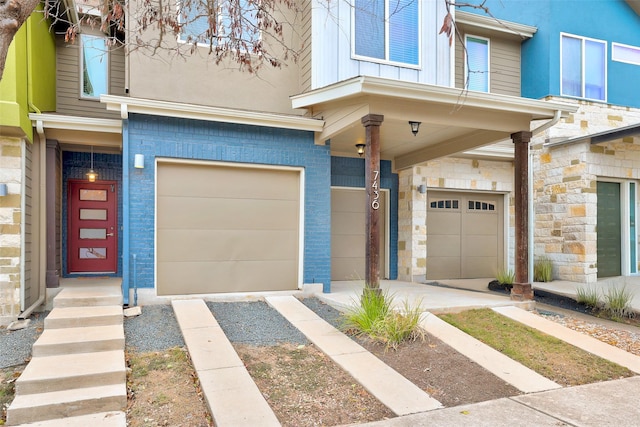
372,123
521,288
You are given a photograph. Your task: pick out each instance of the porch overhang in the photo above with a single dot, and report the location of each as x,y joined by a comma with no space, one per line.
631,131
78,133
453,120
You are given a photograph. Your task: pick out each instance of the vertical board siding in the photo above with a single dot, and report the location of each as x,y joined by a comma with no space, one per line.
68,99
305,55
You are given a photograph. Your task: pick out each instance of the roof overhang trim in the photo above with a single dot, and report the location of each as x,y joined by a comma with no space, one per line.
128,105
495,24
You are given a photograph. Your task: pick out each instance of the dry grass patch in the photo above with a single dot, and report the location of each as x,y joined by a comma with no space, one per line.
553,358
305,388
163,390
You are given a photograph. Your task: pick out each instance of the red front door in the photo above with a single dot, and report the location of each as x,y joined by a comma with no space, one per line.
93,224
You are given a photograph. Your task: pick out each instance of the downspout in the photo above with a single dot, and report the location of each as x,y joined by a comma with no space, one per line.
43,201
556,118
125,205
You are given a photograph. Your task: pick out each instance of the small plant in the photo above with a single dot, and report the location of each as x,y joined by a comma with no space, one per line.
506,277
375,318
617,302
543,270
587,296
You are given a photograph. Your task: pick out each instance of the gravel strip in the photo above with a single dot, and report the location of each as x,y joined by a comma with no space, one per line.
255,323
156,329
325,311
16,345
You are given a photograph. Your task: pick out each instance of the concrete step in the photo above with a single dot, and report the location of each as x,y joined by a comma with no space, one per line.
87,339
78,296
30,408
72,371
101,419
73,317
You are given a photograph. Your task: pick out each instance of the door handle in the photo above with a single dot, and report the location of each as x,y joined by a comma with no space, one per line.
111,234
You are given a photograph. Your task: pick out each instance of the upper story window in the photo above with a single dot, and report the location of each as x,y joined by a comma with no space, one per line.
477,63
387,31
211,22
625,53
94,60
583,67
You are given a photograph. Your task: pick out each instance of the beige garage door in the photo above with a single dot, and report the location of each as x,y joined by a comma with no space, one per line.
226,228
348,237
464,235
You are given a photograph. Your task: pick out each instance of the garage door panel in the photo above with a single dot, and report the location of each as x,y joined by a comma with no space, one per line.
484,224
480,267
443,267
207,245
348,269
185,278
479,245
446,246
217,213
348,246
348,223
345,200
205,181
226,228
447,223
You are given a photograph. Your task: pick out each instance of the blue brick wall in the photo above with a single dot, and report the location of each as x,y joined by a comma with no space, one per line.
193,139
75,166
349,172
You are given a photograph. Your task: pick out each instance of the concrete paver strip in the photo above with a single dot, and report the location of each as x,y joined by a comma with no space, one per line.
585,342
610,403
232,395
392,389
514,373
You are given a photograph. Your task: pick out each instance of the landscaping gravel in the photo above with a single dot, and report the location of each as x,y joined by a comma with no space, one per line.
15,346
156,329
255,323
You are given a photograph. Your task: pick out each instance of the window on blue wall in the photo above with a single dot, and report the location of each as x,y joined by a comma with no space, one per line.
209,22
94,60
583,67
387,30
625,53
477,63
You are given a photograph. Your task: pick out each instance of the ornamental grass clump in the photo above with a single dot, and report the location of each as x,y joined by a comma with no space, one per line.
588,296
543,270
375,319
617,303
506,277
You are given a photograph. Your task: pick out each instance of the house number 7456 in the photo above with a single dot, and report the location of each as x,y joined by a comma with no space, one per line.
375,200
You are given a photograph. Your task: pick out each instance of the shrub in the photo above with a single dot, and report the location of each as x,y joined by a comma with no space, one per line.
543,270
617,302
375,318
587,296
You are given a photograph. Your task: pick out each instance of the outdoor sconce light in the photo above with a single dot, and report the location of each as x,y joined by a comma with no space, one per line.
3,190
138,161
360,148
92,175
422,189
414,127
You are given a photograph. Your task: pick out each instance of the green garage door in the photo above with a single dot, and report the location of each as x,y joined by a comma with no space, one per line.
609,229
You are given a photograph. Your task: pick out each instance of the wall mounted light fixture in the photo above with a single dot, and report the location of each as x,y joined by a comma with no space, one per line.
3,190
92,175
422,189
138,161
360,148
415,126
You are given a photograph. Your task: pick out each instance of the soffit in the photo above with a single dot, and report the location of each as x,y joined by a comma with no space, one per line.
495,25
452,121
75,133
635,5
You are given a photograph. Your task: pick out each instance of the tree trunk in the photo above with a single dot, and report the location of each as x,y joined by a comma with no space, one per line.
13,13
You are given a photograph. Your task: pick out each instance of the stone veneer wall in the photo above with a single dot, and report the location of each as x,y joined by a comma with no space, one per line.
11,157
565,185
446,174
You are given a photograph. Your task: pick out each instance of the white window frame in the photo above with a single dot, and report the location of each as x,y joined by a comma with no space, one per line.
106,59
386,61
583,68
466,63
615,45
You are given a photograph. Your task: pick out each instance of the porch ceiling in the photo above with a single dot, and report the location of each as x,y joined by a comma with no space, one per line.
80,133
452,121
